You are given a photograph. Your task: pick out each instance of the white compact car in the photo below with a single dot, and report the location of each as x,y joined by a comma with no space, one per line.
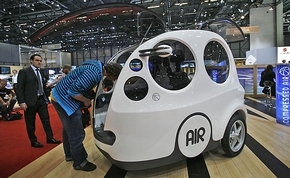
178,95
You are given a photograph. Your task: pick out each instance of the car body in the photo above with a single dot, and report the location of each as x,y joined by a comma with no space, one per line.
53,78
160,111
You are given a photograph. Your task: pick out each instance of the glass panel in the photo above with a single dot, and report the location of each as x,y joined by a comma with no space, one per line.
259,71
136,88
226,28
216,62
245,76
136,65
130,18
175,71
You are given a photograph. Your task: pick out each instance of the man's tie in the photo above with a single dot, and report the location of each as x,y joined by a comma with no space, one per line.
40,88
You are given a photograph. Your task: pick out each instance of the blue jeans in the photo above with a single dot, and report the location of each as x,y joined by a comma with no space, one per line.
73,135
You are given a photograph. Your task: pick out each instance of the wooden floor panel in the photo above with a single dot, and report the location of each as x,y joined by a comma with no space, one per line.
171,171
254,164
271,135
244,165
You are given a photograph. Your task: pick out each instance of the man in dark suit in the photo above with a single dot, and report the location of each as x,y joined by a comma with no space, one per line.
32,98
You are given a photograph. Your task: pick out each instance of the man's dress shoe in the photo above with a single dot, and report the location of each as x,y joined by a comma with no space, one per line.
36,144
53,141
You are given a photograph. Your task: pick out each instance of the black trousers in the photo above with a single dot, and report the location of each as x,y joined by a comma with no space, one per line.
5,110
15,88
40,108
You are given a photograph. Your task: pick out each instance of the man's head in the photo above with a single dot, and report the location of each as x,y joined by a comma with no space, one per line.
66,68
36,60
112,70
14,71
3,83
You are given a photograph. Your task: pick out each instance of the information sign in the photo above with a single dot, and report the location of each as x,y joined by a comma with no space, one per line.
283,94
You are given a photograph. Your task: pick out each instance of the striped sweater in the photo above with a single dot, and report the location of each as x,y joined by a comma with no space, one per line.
79,81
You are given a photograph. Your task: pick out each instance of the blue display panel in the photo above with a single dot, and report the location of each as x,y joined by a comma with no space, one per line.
5,70
245,76
259,71
283,94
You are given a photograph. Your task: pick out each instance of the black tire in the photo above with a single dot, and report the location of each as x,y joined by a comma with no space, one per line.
235,136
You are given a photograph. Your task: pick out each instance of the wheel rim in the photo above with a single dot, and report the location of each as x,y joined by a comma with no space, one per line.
237,136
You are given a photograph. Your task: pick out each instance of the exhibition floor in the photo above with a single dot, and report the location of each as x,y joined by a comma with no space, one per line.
266,154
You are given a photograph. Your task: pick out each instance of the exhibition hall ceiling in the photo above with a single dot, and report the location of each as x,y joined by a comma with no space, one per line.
85,24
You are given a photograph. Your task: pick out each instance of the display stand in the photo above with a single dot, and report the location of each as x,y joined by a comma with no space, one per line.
283,94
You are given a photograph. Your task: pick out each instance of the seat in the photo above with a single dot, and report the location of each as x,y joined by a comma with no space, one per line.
178,79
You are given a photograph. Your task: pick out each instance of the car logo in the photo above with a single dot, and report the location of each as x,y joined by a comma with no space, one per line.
155,96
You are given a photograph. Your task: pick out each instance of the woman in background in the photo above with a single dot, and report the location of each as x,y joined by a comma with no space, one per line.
268,80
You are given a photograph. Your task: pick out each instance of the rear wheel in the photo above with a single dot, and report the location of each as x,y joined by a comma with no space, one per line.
234,136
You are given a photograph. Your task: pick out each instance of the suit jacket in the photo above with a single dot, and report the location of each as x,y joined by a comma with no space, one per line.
27,86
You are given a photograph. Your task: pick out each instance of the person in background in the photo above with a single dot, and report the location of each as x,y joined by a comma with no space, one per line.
65,70
32,98
14,79
69,97
6,100
268,75
14,82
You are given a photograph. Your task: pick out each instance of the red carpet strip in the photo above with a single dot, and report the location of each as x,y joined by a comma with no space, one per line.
15,148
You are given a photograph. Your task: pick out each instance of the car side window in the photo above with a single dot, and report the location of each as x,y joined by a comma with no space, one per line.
216,62
175,71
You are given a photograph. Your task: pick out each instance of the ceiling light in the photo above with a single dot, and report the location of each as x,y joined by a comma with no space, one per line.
84,17
153,7
180,4
141,2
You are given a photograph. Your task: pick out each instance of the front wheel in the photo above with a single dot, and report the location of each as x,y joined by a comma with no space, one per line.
234,136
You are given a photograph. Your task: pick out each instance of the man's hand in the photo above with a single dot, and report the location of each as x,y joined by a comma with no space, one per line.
87,103
23,106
